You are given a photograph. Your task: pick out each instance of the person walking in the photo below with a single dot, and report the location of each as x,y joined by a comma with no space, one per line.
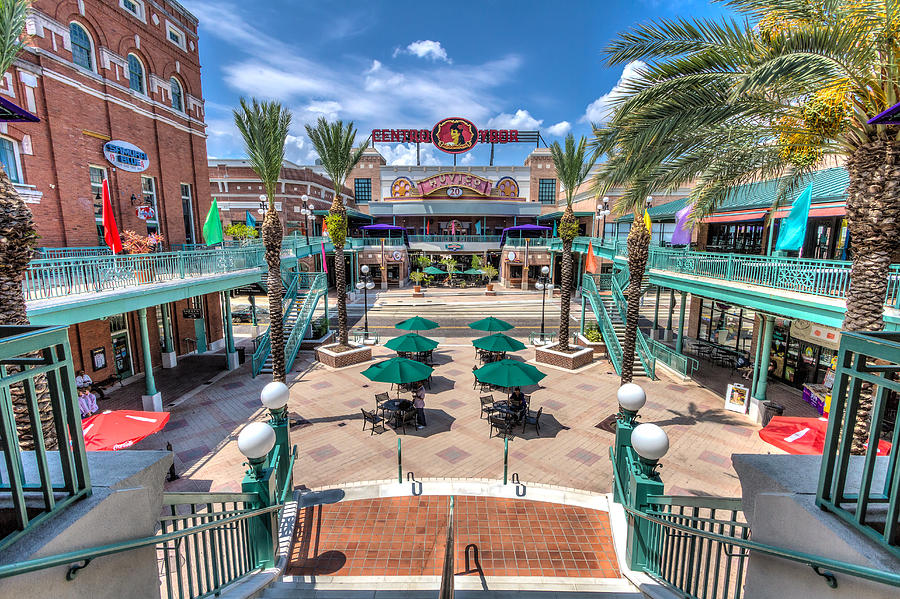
419,405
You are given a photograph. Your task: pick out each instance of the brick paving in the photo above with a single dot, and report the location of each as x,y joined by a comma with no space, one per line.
406,536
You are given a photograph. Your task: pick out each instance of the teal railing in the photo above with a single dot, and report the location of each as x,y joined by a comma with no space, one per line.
454,238
613,347
317,287
264,341
680,363
535,242
640,345
72,252
39,413
376,241
868,365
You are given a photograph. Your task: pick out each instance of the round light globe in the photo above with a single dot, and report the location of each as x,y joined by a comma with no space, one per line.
649,441
545,270
304,198
364,269
539,286
263,198
360,284
256,440
370,285
631,397
550,286
511,256
275,395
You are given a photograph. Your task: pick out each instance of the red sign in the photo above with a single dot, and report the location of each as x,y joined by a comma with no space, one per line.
453,135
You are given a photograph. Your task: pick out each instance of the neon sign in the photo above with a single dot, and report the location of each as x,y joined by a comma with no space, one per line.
453,135
459,180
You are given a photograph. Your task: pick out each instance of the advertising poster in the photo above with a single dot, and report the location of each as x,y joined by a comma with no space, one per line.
736,397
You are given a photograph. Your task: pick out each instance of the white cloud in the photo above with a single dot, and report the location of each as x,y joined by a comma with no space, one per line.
560,128
467,158
327,108
405,154
520,120
600,109
429,49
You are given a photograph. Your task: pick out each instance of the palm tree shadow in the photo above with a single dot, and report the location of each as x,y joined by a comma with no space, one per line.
695,416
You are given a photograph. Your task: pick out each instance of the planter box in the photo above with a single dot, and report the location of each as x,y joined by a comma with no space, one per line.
582,357
599,347
357,355
308,344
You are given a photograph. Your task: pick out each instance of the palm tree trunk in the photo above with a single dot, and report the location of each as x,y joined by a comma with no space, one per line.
565,295
338,238
272,233
873,215
638,252
17,238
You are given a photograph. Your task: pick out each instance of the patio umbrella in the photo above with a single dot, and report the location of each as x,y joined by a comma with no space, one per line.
120,429
491,325
411,342
417,323
473,271
498,343
509,373
433,270
803,435
398,370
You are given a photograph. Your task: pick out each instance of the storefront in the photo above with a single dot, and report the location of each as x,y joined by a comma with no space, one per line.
730,326
802,352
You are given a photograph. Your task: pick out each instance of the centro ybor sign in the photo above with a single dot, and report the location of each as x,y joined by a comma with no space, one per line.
453,135
126,156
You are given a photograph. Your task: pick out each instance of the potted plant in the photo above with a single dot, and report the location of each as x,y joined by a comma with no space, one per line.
489,273
241,232
417,277
133,243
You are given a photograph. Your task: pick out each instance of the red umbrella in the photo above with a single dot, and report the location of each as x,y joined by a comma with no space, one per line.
120,429
803,435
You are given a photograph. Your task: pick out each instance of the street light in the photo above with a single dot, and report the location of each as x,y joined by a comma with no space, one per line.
651,443
543,283
604,211
263,204
307,213
364,285
255,441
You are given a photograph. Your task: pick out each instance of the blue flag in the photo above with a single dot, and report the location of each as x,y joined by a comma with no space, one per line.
793,228
251,222
478,227
554,229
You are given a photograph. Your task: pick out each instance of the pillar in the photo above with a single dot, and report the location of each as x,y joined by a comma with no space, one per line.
582,314
552,269
231,357
759,394
169,355
152,400
653,333
757,356
253,321
670,328
679,344
200,335
327,321
578,272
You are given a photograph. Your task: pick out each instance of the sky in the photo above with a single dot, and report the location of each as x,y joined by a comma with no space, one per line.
407,64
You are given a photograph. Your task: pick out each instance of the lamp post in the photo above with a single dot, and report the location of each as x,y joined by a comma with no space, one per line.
263,204
543,283
255,442
364,284
631,399
307,215
603,212
650,443
274,396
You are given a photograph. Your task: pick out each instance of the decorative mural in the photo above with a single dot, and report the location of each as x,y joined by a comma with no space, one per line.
401,187
507,188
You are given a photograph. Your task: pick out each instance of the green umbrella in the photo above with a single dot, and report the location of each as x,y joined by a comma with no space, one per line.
398,370
417,323
509,373
491,325
473,271
433,270
498,342
411,342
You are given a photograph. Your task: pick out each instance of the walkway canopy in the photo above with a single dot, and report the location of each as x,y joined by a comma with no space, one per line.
384,228
520,229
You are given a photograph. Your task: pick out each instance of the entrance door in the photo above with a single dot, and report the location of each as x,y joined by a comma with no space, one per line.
121,355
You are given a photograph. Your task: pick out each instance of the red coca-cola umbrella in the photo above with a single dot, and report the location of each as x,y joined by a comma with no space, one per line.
803,435
120,429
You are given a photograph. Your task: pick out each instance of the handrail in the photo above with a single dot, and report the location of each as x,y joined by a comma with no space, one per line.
264,341
680,363
613,347
447,572
647,359
90,553
456,238
317,288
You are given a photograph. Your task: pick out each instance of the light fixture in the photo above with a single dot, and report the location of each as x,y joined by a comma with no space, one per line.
649,201
364,269
275,396
255,442
97,197
304,198
539,286
631,397
360,285
134,199
545,270
263,198
651,443
370,285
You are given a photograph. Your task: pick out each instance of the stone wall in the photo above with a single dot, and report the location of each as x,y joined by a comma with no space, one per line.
563,360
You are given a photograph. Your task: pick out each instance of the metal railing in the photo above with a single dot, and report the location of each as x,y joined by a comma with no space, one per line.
317,287
680,363
868,369
534,242
447,572
39,412
371,242
72,252
613,347
454,238
264,341
648,360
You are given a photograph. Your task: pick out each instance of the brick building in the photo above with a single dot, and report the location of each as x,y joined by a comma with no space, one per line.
125,72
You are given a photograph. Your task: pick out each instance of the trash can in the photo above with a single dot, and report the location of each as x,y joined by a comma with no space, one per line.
241,352
770,410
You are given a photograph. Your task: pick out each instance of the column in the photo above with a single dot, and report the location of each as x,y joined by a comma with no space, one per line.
670,329
757,356
552,269
654,333
327,321
679,343
152,400
582,314
759,394
231,357
578,273
169,356
253,321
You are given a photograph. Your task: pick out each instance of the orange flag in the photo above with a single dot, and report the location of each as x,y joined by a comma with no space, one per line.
590,264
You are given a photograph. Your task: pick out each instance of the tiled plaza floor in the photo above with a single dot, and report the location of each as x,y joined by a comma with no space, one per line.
406,536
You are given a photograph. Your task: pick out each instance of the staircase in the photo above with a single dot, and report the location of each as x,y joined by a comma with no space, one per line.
290,321
619,327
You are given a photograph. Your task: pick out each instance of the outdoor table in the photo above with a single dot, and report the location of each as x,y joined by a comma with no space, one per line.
392,406
508,412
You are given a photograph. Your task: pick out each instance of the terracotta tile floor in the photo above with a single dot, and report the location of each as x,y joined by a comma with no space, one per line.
405,536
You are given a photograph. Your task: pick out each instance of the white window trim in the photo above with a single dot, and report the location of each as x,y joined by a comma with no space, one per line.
170,26
142,10
93,48
18,158
172,97
152,179
146,91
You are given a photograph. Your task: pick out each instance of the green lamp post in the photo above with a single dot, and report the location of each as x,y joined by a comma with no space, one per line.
631,399
650,443
255,442
274,396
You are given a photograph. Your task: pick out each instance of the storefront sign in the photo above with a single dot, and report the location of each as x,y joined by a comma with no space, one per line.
454,247
814,333
455,180
192,313
453,135
397,255
126,156
145,212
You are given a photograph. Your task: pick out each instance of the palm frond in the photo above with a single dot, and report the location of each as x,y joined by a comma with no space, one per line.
333,143
12,25
264,128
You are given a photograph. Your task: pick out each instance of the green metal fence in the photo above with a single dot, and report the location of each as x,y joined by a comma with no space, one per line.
680,363
72,252
454,238
317,287
531,242
641,348
864,490
38,406
613,347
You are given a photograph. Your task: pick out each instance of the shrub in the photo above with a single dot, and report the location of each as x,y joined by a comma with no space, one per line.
592,333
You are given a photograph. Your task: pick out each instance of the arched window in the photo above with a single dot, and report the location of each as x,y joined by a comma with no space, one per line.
177,95
82,49
135,74
9,158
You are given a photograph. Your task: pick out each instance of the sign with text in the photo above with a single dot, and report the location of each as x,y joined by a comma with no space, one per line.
126,156
431,184
453,135
192,313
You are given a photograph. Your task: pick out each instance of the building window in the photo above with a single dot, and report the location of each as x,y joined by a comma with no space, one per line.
82,48
547,191
98,174
187,211
177,96
135,74
9,156
362,189
148,187
135,7
175,35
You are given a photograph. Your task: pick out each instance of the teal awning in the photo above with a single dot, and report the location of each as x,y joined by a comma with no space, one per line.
351,213
558,215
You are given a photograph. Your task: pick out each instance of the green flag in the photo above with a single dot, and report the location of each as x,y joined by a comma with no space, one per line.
212,228
793,228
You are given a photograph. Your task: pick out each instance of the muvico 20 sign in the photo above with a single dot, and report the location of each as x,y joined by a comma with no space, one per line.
453,135
126,156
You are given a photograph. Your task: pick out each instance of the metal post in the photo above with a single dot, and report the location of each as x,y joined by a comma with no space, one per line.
152,400
582,315
280,424
167,328
543,302
671,308
763,381
578,272
679,343
505,457
263,529
366,306
656,313
327,320
624,427
757,355
399,463
229,328
638,547
253,320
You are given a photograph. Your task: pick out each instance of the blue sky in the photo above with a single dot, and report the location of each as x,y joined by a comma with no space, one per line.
407,64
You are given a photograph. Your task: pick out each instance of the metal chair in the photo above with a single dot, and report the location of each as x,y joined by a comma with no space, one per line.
374,419
487,405
501,425
533,418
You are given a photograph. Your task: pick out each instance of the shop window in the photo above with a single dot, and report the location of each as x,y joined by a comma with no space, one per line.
547,191
82,47
98,174
177,94
187,211
9,157
148,189
362,189
135,74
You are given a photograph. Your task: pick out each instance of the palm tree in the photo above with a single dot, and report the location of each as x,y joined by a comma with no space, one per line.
17,240
334,145
264,127
723,103
572,168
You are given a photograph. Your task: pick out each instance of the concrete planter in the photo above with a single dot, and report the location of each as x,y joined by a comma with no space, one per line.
599,347
333,359
582,357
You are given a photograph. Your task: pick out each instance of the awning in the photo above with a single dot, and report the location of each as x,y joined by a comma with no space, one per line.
737,217
822,210
559,213
351,213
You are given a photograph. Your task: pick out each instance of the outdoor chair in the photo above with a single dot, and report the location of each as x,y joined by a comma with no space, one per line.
374,419
533,418
501,425
487,405
406,417
380,398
